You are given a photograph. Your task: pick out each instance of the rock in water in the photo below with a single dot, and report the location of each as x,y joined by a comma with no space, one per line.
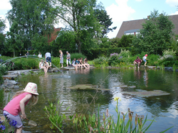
32,123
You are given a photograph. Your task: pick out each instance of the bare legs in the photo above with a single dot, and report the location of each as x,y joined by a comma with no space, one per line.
19,130
61,65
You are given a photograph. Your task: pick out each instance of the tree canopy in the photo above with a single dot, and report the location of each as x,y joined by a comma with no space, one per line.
28,19
104,20
2,37
156,34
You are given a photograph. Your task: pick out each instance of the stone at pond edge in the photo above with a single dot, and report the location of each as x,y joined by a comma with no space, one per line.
32,123
16,87
131,87
147,93
2,118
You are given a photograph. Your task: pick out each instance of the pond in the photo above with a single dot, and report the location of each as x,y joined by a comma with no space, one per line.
56,86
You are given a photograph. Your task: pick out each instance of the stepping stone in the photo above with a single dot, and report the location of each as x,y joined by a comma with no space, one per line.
131,87
151,67
124,86
9,77
32,123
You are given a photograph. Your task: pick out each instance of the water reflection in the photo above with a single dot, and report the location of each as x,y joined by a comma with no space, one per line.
145,77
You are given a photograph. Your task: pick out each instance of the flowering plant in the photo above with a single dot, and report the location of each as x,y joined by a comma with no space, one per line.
114,54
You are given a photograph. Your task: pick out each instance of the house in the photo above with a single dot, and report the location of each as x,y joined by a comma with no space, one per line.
54,34
133,26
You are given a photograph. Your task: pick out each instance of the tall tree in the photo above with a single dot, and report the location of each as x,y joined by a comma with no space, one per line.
104,20
156,34
27,19
2,37
79,15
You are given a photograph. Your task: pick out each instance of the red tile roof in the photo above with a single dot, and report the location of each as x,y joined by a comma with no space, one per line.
53,35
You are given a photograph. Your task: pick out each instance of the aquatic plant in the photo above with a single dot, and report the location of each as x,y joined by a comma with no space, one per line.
162,67
53,115
174,68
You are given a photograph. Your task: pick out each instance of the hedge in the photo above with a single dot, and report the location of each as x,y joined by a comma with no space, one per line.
89,53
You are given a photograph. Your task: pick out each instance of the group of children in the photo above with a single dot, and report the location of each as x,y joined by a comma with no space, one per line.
80,63
138,61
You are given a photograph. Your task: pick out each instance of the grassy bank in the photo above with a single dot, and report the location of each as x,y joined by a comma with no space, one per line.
125,59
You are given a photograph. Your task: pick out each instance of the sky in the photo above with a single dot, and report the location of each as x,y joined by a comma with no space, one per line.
118,10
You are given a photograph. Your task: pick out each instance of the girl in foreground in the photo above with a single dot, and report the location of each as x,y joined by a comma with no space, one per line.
12,110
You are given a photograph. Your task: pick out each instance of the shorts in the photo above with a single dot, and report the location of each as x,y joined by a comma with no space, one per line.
48,59
11,118
144,60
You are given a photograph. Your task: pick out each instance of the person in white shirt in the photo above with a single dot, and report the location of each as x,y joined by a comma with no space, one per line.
145,59
48,58
39,55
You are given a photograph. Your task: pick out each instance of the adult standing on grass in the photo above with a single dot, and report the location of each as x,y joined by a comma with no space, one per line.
68,61
48,57
61,58
145,59
27,54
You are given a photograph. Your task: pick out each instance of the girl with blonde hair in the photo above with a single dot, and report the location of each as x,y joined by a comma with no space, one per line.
17,105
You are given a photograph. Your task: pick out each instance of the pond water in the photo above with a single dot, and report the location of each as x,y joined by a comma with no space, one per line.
54,87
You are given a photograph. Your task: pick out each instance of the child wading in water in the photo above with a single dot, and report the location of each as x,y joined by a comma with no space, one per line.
12,110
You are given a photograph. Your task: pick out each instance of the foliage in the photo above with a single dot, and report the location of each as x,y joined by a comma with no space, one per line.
26,63
114,60
169,52
124,53
2,37
53,114
101,62
174,44
155,36
104,20
3,69
1,97
65,37
79,16
114,42
28,19
125,41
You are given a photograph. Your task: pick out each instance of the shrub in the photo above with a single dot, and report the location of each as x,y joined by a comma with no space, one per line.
100,62
3,69
114,54
26,63
114,60
124,53
169,53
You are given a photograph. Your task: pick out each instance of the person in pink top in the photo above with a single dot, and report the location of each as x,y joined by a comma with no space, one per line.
17,105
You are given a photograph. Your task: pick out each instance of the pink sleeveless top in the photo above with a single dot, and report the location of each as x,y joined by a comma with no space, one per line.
13,107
